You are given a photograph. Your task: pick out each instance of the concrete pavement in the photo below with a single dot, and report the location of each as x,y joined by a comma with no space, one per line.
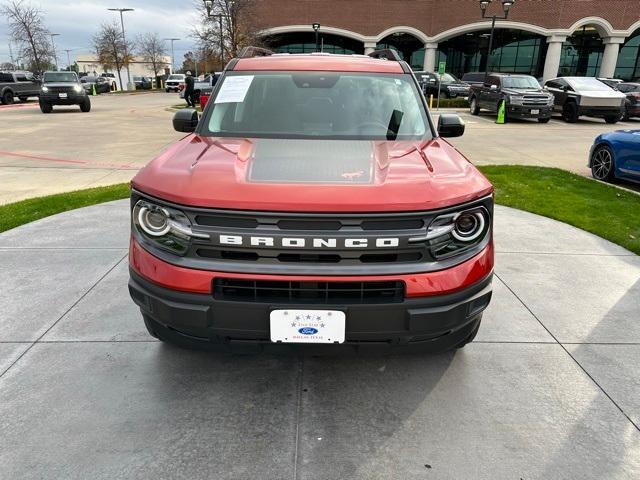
548,390
70,150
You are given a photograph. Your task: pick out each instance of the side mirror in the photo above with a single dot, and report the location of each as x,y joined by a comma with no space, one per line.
493,87
185,120
450,125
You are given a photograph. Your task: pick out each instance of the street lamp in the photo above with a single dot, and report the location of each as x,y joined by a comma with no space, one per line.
53,44
68,59
124,41
506,6
316,29
172,55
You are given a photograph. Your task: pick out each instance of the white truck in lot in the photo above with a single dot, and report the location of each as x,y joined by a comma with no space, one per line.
576,96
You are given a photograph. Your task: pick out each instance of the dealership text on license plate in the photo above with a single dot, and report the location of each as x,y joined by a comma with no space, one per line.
62,95
535,112
307,326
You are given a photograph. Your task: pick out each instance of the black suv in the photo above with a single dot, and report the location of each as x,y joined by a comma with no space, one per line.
448,85
62,88
522,95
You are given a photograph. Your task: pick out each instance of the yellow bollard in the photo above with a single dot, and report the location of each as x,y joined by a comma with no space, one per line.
431,102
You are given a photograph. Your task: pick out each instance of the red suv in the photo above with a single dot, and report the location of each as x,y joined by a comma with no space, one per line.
313,202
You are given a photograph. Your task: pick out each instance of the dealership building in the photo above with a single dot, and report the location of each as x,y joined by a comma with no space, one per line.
543,38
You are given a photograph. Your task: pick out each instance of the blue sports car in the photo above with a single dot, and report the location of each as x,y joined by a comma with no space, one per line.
616,155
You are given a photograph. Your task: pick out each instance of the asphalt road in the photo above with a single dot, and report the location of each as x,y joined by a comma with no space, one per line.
69,150
549,389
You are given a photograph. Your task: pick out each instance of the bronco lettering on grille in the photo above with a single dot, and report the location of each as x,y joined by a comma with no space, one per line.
306,242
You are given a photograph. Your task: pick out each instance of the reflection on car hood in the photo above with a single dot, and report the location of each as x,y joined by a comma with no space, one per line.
525,91
312,175
61,84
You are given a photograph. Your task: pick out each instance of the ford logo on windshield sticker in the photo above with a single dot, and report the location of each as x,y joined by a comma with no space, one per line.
307,331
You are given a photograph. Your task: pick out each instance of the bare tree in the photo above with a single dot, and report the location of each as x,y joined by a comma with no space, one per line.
111,48
28,32
230,27
153,51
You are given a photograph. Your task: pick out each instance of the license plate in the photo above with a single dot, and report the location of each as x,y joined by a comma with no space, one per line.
62,95
307,326
535,112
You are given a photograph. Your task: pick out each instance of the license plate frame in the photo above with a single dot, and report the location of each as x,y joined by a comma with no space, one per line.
535,111
62,95
307,326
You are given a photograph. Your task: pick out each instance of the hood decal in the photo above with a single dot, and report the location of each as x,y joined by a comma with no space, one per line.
311,161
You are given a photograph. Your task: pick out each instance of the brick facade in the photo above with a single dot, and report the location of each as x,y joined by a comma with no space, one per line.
371,17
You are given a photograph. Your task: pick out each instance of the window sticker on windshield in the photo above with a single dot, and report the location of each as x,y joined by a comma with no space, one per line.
234,89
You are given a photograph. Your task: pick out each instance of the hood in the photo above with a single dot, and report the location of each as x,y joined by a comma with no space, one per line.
312,175
602,94
525,91
61,84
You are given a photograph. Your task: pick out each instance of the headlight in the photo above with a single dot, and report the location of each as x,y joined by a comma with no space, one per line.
455,233
78,88
551,100
165,227
45,89
516,99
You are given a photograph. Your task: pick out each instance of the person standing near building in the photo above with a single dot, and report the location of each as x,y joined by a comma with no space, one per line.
188,90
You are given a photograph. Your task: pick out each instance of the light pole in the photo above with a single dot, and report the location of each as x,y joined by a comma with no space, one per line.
68,59
173,60
53,44
208,4
124,40
506,6
316,29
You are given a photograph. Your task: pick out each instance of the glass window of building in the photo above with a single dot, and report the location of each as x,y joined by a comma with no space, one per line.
513,51
581,54
628,67
305,42
408,47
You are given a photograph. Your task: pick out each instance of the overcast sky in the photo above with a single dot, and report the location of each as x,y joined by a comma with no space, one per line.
77,21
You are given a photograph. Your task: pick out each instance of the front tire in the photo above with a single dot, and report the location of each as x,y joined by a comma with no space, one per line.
602,164
7,98
474,109
85,106
570,112
46,107
23,99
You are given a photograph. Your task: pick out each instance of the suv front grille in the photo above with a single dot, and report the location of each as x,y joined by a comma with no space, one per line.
535,100
237,290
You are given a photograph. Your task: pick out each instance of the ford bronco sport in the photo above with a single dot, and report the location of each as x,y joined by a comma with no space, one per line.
314,202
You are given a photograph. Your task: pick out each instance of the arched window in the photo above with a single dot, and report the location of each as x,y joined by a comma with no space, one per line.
408,47
305,42
513,51
581,53
628,67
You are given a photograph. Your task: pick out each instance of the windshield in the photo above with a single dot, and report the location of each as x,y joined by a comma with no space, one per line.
60,77
448,78
587,83
520,82
328,105
175,77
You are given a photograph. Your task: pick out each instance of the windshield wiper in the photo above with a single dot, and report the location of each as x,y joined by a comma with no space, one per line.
394,124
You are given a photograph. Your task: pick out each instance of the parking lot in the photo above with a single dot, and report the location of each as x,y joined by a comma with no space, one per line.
43,154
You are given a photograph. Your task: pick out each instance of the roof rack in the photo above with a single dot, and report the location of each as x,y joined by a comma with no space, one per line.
386,54
248,52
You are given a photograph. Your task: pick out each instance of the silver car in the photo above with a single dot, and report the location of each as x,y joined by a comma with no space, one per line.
576,96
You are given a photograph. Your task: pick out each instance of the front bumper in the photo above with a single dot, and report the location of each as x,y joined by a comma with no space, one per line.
600,111
54,98
437,320
521,111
